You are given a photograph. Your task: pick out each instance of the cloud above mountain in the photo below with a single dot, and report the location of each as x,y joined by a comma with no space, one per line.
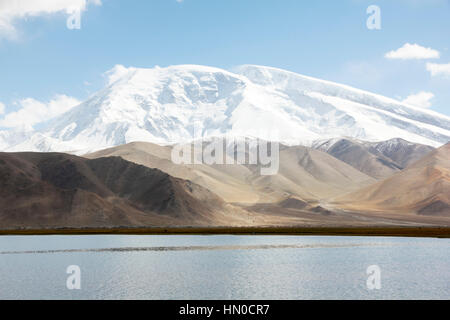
31,112
117,72
11,11
439,69
413,51
421,99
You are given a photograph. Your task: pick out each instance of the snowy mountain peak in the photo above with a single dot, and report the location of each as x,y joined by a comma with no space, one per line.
186,102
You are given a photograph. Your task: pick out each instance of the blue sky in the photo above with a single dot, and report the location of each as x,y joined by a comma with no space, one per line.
41,58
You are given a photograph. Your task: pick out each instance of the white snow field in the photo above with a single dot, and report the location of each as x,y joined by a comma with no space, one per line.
182,103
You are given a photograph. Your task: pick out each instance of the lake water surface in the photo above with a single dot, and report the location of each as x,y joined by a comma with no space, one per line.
223,267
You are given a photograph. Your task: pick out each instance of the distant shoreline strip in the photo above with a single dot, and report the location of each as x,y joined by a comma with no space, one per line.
360,231
192,248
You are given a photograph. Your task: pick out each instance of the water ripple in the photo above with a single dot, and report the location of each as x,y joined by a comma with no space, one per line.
195,248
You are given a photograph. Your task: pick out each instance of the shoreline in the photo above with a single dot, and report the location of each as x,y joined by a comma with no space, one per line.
394,231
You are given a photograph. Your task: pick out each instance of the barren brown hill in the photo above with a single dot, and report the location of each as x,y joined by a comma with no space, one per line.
422,188
305,173
51,190
361,157
402,152
228,182
315,174
379,160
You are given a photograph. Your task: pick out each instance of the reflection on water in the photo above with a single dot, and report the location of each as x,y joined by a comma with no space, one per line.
193,248
223,267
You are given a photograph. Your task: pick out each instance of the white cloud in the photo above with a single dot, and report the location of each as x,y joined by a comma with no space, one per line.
421,99
437,69
117,72
2,108
13,10
413,51
32,112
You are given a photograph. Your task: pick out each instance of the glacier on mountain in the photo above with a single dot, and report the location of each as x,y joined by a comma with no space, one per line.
183,103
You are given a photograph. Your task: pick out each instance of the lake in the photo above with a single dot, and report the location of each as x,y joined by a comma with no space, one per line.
223,267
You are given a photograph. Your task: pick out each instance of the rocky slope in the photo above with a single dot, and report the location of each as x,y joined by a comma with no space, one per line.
422,188
45,190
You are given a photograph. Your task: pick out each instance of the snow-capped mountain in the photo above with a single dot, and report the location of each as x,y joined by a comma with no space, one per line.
182,103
